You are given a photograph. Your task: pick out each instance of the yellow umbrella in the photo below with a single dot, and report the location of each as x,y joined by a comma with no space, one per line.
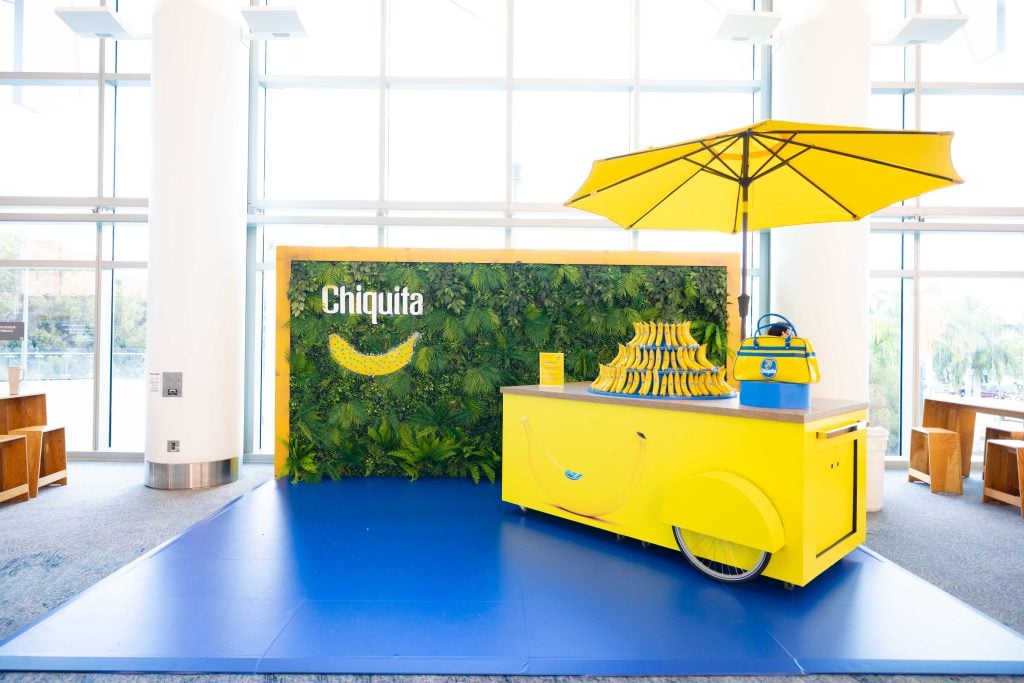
766,175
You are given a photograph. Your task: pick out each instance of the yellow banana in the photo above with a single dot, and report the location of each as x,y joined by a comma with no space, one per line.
350,358
636,335
659,334
619,356
652,332
695,384
645,386
632,383
702,357
609,377
711,384
645,333
655,360
663,390
686,358
684,390
688,339
702,382
620,380
655,382
724,386
670,339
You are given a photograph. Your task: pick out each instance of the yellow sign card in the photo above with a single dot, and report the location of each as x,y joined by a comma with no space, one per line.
552,369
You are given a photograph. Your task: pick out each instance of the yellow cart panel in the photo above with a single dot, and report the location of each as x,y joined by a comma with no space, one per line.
786,482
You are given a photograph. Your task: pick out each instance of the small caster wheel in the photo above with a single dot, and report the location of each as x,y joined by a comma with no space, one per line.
788,586
644,544
522,508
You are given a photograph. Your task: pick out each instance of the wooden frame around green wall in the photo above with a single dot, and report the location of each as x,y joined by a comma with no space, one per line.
482,319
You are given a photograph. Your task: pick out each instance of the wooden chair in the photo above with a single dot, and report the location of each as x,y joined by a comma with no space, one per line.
935,459
14,477
1004,472
47,456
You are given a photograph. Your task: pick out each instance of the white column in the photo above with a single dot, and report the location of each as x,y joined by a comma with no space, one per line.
195,313
821,74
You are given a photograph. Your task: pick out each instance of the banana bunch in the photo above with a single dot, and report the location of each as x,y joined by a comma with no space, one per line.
662,359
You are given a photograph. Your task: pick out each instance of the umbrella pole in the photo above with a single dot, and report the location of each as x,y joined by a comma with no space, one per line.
744,299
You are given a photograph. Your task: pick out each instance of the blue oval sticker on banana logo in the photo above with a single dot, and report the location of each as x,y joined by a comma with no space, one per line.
769,368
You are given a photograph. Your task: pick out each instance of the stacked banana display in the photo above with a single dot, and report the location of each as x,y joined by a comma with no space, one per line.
662,359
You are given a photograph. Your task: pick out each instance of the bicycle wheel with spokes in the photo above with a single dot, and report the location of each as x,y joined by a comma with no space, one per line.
721,560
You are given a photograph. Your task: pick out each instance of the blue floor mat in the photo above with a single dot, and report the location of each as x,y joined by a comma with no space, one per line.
441,577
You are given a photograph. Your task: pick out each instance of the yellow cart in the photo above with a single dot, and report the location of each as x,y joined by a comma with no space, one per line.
740,491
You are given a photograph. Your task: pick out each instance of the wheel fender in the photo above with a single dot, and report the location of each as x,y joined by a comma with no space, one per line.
726,506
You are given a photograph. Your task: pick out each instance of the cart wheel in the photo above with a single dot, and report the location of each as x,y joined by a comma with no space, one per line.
522,508
721,560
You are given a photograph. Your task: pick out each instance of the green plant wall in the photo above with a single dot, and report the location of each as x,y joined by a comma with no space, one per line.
482,327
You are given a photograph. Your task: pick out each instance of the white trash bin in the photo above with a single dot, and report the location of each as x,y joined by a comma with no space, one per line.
878,439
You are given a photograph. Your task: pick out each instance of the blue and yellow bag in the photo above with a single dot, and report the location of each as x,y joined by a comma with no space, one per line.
768,358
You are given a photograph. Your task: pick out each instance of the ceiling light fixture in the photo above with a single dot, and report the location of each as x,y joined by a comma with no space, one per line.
748,27
94,22
270,23
925,29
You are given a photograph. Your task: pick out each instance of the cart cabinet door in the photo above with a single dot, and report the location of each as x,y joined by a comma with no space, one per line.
832,515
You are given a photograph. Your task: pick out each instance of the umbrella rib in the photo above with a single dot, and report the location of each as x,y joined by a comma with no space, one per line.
662,200
685,157
718,157
859,157
700,167
782,163
774,153
820,189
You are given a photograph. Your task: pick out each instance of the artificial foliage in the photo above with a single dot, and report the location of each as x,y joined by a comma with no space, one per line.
482,327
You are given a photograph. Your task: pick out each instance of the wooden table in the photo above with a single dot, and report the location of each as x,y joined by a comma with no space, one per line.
956,413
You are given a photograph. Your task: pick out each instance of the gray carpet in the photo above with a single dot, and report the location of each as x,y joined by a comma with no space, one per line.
68,538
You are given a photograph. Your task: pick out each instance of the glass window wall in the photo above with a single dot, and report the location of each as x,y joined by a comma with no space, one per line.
375,132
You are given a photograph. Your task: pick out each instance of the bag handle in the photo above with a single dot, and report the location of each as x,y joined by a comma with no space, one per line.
765,322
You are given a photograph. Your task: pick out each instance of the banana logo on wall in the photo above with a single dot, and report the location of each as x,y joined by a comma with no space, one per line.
586,483
350,358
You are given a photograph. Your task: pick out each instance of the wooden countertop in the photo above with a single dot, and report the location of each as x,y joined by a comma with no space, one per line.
821,408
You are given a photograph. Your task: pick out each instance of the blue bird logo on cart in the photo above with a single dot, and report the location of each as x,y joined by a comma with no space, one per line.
769,367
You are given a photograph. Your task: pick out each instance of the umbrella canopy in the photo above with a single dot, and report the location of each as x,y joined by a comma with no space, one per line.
769,174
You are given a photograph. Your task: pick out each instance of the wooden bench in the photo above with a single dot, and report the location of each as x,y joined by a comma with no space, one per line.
14,479
47,456
935,459
1004,472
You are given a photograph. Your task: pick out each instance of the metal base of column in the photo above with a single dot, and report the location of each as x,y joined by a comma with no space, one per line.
195,475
